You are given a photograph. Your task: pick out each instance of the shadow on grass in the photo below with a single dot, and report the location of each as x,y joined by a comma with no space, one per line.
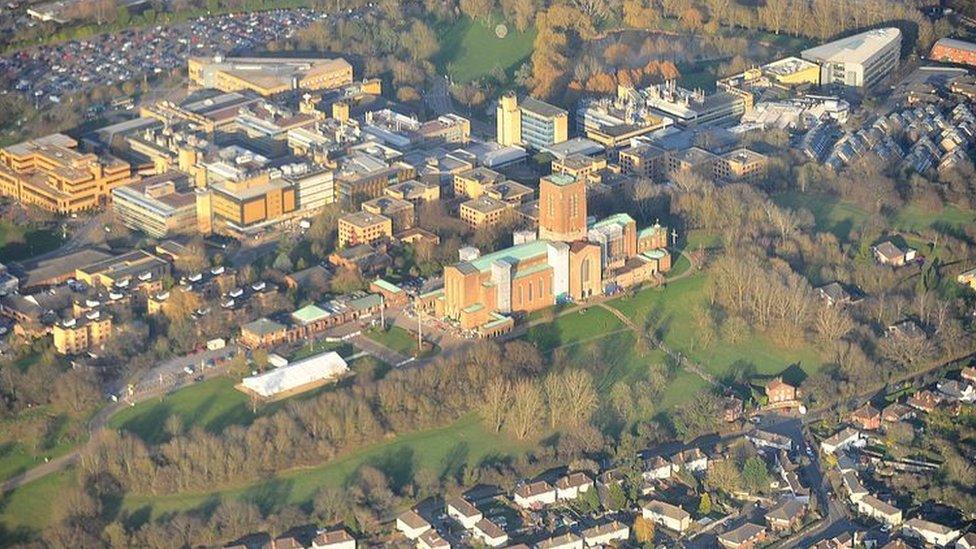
398,465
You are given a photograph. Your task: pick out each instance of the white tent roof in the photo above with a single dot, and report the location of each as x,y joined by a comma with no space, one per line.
315,368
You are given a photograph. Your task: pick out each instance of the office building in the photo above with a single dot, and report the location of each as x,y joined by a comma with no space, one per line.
644,160
50,173
251,204
400,212
363,228
158,206
562,208
472,183
692,108
483,211
268,76
860,61
415,192
614,121
741,165
530,122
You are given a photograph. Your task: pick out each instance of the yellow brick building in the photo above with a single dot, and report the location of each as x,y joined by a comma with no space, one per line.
50,173
363,228
268,76
76,336
243,206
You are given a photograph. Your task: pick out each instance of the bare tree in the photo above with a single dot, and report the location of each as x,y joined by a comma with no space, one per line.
526,409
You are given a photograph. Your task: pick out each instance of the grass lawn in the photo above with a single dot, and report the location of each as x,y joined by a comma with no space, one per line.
575,327
914,218
831,215
18,242
469,49
344,349
27,509
673,308
15,457
442,450
400,340
213,404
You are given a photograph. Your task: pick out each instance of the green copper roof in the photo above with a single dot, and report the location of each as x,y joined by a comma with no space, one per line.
561,179
387,286
648,231
515,254
309,313
615,219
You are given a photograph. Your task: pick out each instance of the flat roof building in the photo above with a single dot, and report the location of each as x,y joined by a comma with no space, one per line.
363,228
860,61
268,75
51,173
530,122
158,206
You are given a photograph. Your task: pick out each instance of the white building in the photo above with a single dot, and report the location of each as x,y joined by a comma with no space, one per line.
879,510
568,540
667,515
573,485
859,61
847,436
490,533
604,534
535,495
412,524
931,532
304,373
464,512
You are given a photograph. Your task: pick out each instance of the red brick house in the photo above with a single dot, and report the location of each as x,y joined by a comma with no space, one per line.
778,391
867,417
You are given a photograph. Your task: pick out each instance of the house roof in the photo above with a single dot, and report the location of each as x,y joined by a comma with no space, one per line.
667,509
413,519
463,506
786,510
263,327
574,480
865,412
489,529
533,489
743,533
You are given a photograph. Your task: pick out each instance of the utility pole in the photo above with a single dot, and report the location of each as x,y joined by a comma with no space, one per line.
420,329
382,313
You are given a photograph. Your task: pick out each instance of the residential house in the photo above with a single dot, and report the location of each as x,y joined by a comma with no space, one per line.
263,333
969,374
568,540
931,532
925,401
744,537
855,490
867,417
334,539
534,495
778,392
956,390
967,278
968,541
786,514
667,515
490,533
886,253
834,294
573,485
766,439
606,533
840,440
879,510
657,468
432,540
692,459
896,412
463,511
412,524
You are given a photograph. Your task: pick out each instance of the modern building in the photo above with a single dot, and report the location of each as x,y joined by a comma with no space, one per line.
52,174
951,50
859,61
78,335
158,206
741,165
483,211
531,122
363,228
268,76
249,204
472,183
400,212
136,268
693,108
644,160
614,121
562,208
415,192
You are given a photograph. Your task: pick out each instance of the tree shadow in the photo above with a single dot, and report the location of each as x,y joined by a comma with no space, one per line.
270,495
398,465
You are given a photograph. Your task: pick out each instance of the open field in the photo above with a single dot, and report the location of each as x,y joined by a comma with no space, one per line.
574,328
442,450
27,509
60,437
672,310
344,349
464,45
399,340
